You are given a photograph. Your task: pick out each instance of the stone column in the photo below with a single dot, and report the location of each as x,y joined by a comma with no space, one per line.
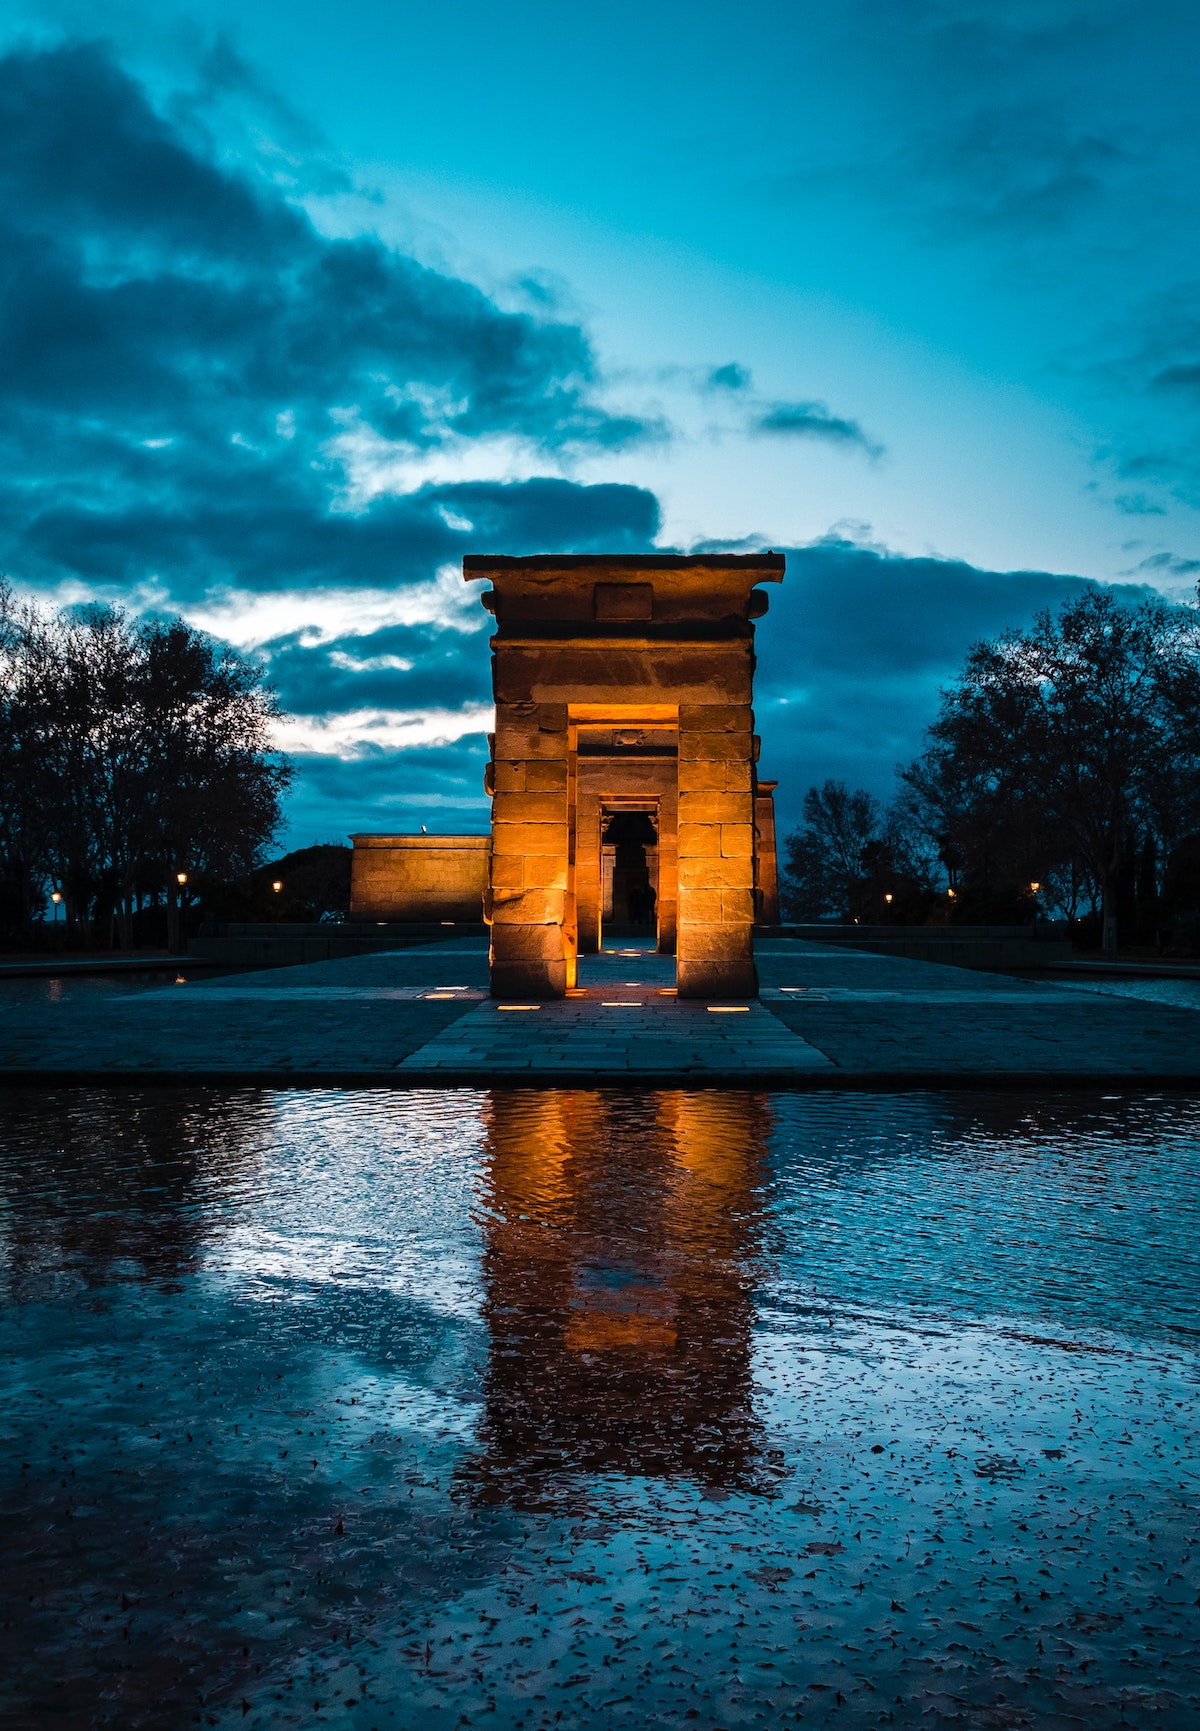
527,901
766,890
716,852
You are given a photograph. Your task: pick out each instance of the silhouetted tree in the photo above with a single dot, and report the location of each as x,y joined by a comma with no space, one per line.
1064,750
853,859
129,752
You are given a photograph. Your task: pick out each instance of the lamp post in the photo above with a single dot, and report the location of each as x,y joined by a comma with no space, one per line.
56,898
176,902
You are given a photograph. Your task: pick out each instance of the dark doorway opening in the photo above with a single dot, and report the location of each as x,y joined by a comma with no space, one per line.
634,911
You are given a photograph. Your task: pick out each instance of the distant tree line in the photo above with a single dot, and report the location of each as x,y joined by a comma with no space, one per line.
132,753
1061,775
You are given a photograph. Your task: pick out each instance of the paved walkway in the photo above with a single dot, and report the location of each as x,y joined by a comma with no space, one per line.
624,1021
416,1017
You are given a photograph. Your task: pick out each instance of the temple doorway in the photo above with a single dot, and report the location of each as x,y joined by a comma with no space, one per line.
629,865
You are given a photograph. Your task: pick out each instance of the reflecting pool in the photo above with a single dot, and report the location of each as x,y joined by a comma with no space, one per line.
599,1409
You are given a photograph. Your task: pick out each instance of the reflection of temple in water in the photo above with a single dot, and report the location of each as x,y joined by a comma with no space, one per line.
619,1236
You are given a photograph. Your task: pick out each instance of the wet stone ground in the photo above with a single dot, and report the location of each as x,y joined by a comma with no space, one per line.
599,1409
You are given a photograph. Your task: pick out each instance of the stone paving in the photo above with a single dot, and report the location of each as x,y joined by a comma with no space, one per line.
825,1017
882,1018
623,1021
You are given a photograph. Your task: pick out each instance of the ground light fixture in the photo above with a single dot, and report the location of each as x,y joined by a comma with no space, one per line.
729,1009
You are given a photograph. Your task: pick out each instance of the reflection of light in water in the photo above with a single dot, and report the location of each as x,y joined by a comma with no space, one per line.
618,1296
368,1190
972,1343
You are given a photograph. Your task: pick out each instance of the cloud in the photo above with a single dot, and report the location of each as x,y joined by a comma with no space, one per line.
356,733
1167,565
181,352
991,118
812,421
730,377
441,786
399,668
856,645
1146,360
1021,166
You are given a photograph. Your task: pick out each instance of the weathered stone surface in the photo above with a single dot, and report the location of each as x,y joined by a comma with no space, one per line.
529,807
527,838
715,718
700,839
766,889
546,777
716,747
418,877
527,907
715,808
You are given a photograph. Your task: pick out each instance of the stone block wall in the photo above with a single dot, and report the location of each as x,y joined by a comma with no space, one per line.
716,850
419,877
528,906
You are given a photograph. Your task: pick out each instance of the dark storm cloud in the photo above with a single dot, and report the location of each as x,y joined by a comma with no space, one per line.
855,647
268,529
178,345
399,667
440,786
813,421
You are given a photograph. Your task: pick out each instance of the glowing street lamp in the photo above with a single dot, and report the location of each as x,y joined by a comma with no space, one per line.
1035,887
888,897
181,878
277,885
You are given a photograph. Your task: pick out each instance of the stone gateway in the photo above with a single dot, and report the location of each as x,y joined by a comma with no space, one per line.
625,797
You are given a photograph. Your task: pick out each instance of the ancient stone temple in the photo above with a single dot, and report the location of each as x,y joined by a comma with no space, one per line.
625,794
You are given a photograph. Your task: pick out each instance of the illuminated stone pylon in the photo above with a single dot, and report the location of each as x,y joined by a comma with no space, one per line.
623,687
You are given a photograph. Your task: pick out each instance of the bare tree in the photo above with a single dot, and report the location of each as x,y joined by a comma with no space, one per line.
130,752
1059,747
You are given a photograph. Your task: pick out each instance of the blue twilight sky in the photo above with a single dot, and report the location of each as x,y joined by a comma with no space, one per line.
298,304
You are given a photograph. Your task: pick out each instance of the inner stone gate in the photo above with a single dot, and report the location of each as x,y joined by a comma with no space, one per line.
622,768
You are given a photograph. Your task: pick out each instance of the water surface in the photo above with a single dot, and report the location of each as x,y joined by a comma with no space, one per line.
599,1409
71,985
